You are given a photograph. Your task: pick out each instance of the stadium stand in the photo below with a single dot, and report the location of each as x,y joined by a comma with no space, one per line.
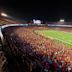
4,21
29,52
26,51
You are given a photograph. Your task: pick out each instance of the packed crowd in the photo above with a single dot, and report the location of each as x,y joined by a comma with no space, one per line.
36,53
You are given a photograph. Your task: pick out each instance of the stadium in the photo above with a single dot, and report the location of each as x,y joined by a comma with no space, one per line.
35,47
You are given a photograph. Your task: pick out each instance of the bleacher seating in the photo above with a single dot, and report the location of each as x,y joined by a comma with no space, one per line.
4,21
29,52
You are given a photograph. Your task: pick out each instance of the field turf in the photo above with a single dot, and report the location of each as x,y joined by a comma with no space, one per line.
62,36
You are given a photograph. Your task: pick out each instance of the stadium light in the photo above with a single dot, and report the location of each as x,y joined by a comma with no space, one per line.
61,20
4,15
36,21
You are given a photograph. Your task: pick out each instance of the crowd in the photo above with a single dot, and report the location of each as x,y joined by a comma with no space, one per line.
34,53
2,59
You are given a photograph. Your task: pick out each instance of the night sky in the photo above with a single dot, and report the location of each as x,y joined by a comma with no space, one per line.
43,10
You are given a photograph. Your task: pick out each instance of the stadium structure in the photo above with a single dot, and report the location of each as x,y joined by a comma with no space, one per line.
35,47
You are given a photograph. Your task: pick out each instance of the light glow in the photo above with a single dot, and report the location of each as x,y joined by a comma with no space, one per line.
36,21
61,20
3,14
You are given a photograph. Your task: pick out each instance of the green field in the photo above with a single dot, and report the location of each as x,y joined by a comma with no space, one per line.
62,36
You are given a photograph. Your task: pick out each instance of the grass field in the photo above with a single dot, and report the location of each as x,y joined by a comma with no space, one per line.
62,36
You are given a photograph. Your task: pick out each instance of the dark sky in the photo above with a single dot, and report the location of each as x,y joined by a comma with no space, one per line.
44,10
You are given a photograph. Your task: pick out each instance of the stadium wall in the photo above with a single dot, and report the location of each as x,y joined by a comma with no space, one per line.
59,25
